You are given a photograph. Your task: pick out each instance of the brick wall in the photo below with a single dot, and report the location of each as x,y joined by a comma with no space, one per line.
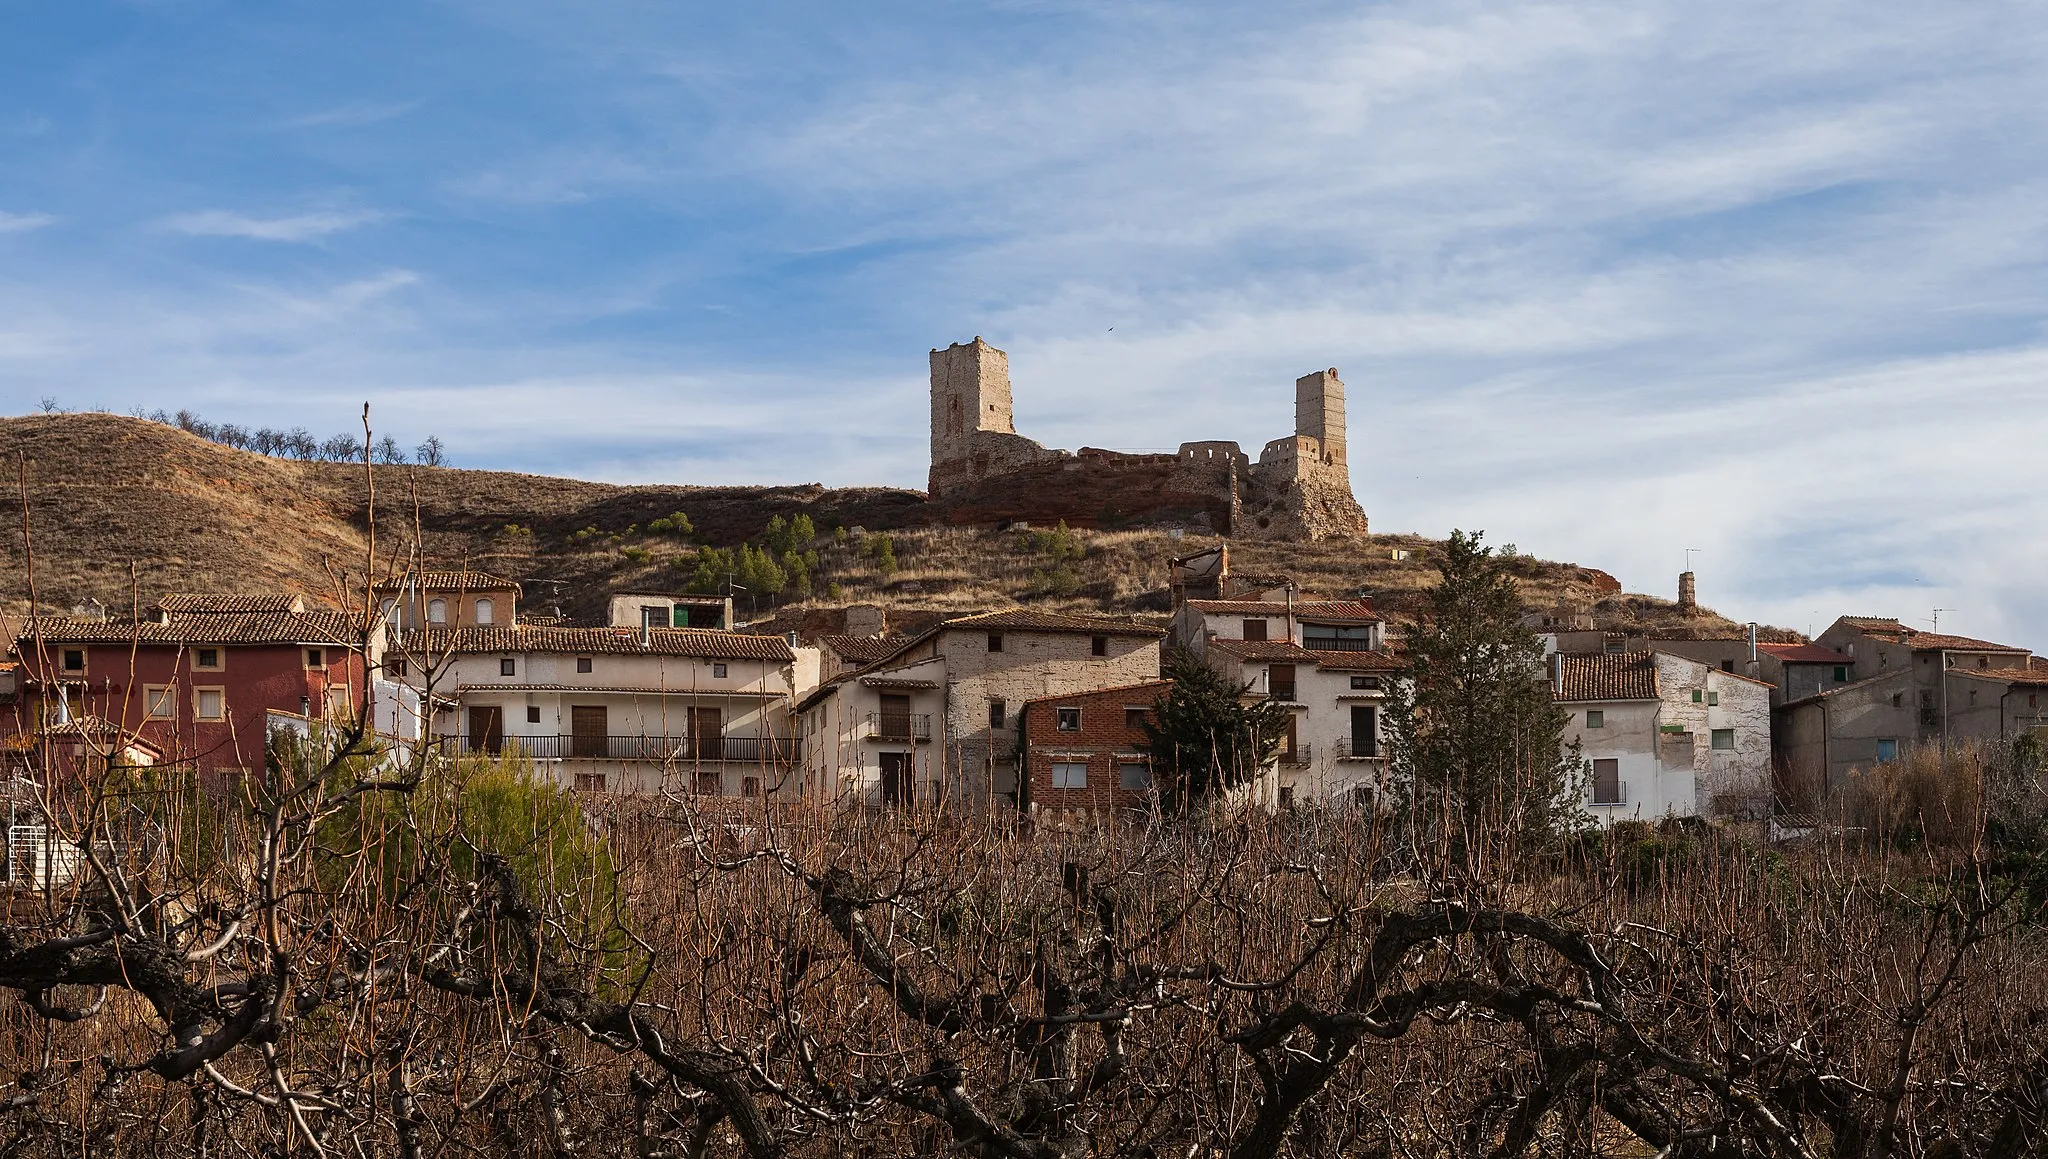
1104,740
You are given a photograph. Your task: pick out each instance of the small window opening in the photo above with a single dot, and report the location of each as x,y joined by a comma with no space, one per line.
508,667
1099,646
1067,719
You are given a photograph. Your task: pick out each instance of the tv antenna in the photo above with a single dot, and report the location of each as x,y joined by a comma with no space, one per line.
1689,553
1937,617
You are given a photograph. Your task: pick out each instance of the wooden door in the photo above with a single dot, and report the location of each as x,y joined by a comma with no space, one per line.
897,787
1365,731
486,729
1289,747
707,733
589,725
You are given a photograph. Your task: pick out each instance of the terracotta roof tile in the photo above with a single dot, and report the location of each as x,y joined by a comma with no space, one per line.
189,603
1805,654
1263,650
699,642
1025,620
1382,661
1621,676
204,628
450,581
862,649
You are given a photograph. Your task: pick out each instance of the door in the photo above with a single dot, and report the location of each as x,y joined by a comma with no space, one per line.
589,724
707,733
486,729
897,788
1365,731
1280,681
895,717
1289,748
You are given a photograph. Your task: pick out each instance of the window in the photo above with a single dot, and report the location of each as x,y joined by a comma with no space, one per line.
1098,646
396,666
583,664
1280,681
1069,775
1365,683
718,671
995,641
1697,696
159,701
1135,776
1134,717
1983,661
533,714
2033,700
998,712
590,782
1286,798
206,659
1361,796
1713,698
1255,629
316,658
485,611
1723,739
437,611
1331,638
1888,749
1841,674
1898,699
210,703
74,660
654,615
508,667
679,617
710,784
1595,718
1607,781
750,786
1727,665
338,702
391,612
1067,719
1365,731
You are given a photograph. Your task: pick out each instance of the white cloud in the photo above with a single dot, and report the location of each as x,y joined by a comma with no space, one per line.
297,227
24,222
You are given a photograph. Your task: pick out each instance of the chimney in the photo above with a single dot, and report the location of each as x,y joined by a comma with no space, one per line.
1752,641
1688,597
63,705
1556,674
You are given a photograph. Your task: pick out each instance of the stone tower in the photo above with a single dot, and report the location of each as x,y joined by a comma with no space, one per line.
1319,414
973,433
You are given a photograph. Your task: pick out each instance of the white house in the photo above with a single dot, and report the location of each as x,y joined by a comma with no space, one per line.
1665,735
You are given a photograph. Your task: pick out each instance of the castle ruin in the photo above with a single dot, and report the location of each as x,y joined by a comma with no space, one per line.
982,470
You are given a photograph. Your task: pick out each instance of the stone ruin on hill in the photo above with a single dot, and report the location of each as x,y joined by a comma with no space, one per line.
983,471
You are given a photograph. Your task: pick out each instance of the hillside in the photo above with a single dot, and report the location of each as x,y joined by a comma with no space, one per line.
107,492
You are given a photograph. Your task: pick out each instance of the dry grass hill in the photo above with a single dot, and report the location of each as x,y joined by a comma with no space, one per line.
119,506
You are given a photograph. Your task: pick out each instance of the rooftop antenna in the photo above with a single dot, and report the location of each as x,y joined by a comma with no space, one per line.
1689,553
1937,617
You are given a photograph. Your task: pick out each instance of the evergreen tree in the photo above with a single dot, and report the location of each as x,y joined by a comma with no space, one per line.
1204,739
1476,740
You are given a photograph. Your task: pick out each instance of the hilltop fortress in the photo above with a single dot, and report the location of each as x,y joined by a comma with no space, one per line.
984,471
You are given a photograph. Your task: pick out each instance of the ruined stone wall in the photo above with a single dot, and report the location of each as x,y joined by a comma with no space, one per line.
983,471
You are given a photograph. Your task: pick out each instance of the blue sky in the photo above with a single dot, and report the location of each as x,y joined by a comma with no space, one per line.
1608,281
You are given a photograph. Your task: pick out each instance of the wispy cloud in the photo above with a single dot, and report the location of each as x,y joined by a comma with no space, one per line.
24,222
353,114
296,227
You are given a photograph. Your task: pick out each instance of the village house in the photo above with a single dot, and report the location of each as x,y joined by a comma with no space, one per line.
1086,753
1326,660
1665,735
455,599
646,609
935,720
618,709
1905,688
196,677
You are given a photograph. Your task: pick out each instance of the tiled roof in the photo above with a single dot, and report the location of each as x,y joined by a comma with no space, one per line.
1125,689
1623,676
699,642
1321,611
1869,623
1358,661
1025,620
1263,650
862,649
202,604
1805,654
543,621
1897,633
204,628
450,581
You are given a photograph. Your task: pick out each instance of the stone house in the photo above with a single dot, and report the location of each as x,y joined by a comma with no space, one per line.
936,719
647,609
1086,753
1665,735
617,709
455,599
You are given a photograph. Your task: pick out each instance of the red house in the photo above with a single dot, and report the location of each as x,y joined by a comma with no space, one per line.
1085,751
194,678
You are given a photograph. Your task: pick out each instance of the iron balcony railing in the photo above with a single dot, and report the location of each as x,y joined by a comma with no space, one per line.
899,726
753,750
1335,643
1358,749
1299,755
1283,692
1618,797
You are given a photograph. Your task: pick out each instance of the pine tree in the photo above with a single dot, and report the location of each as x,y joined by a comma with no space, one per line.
1476,740
1204,739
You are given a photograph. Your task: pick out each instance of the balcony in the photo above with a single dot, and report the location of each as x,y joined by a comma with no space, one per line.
1604,796
1282,692
1335,643
899,727
751,750
1297,756
1365,749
